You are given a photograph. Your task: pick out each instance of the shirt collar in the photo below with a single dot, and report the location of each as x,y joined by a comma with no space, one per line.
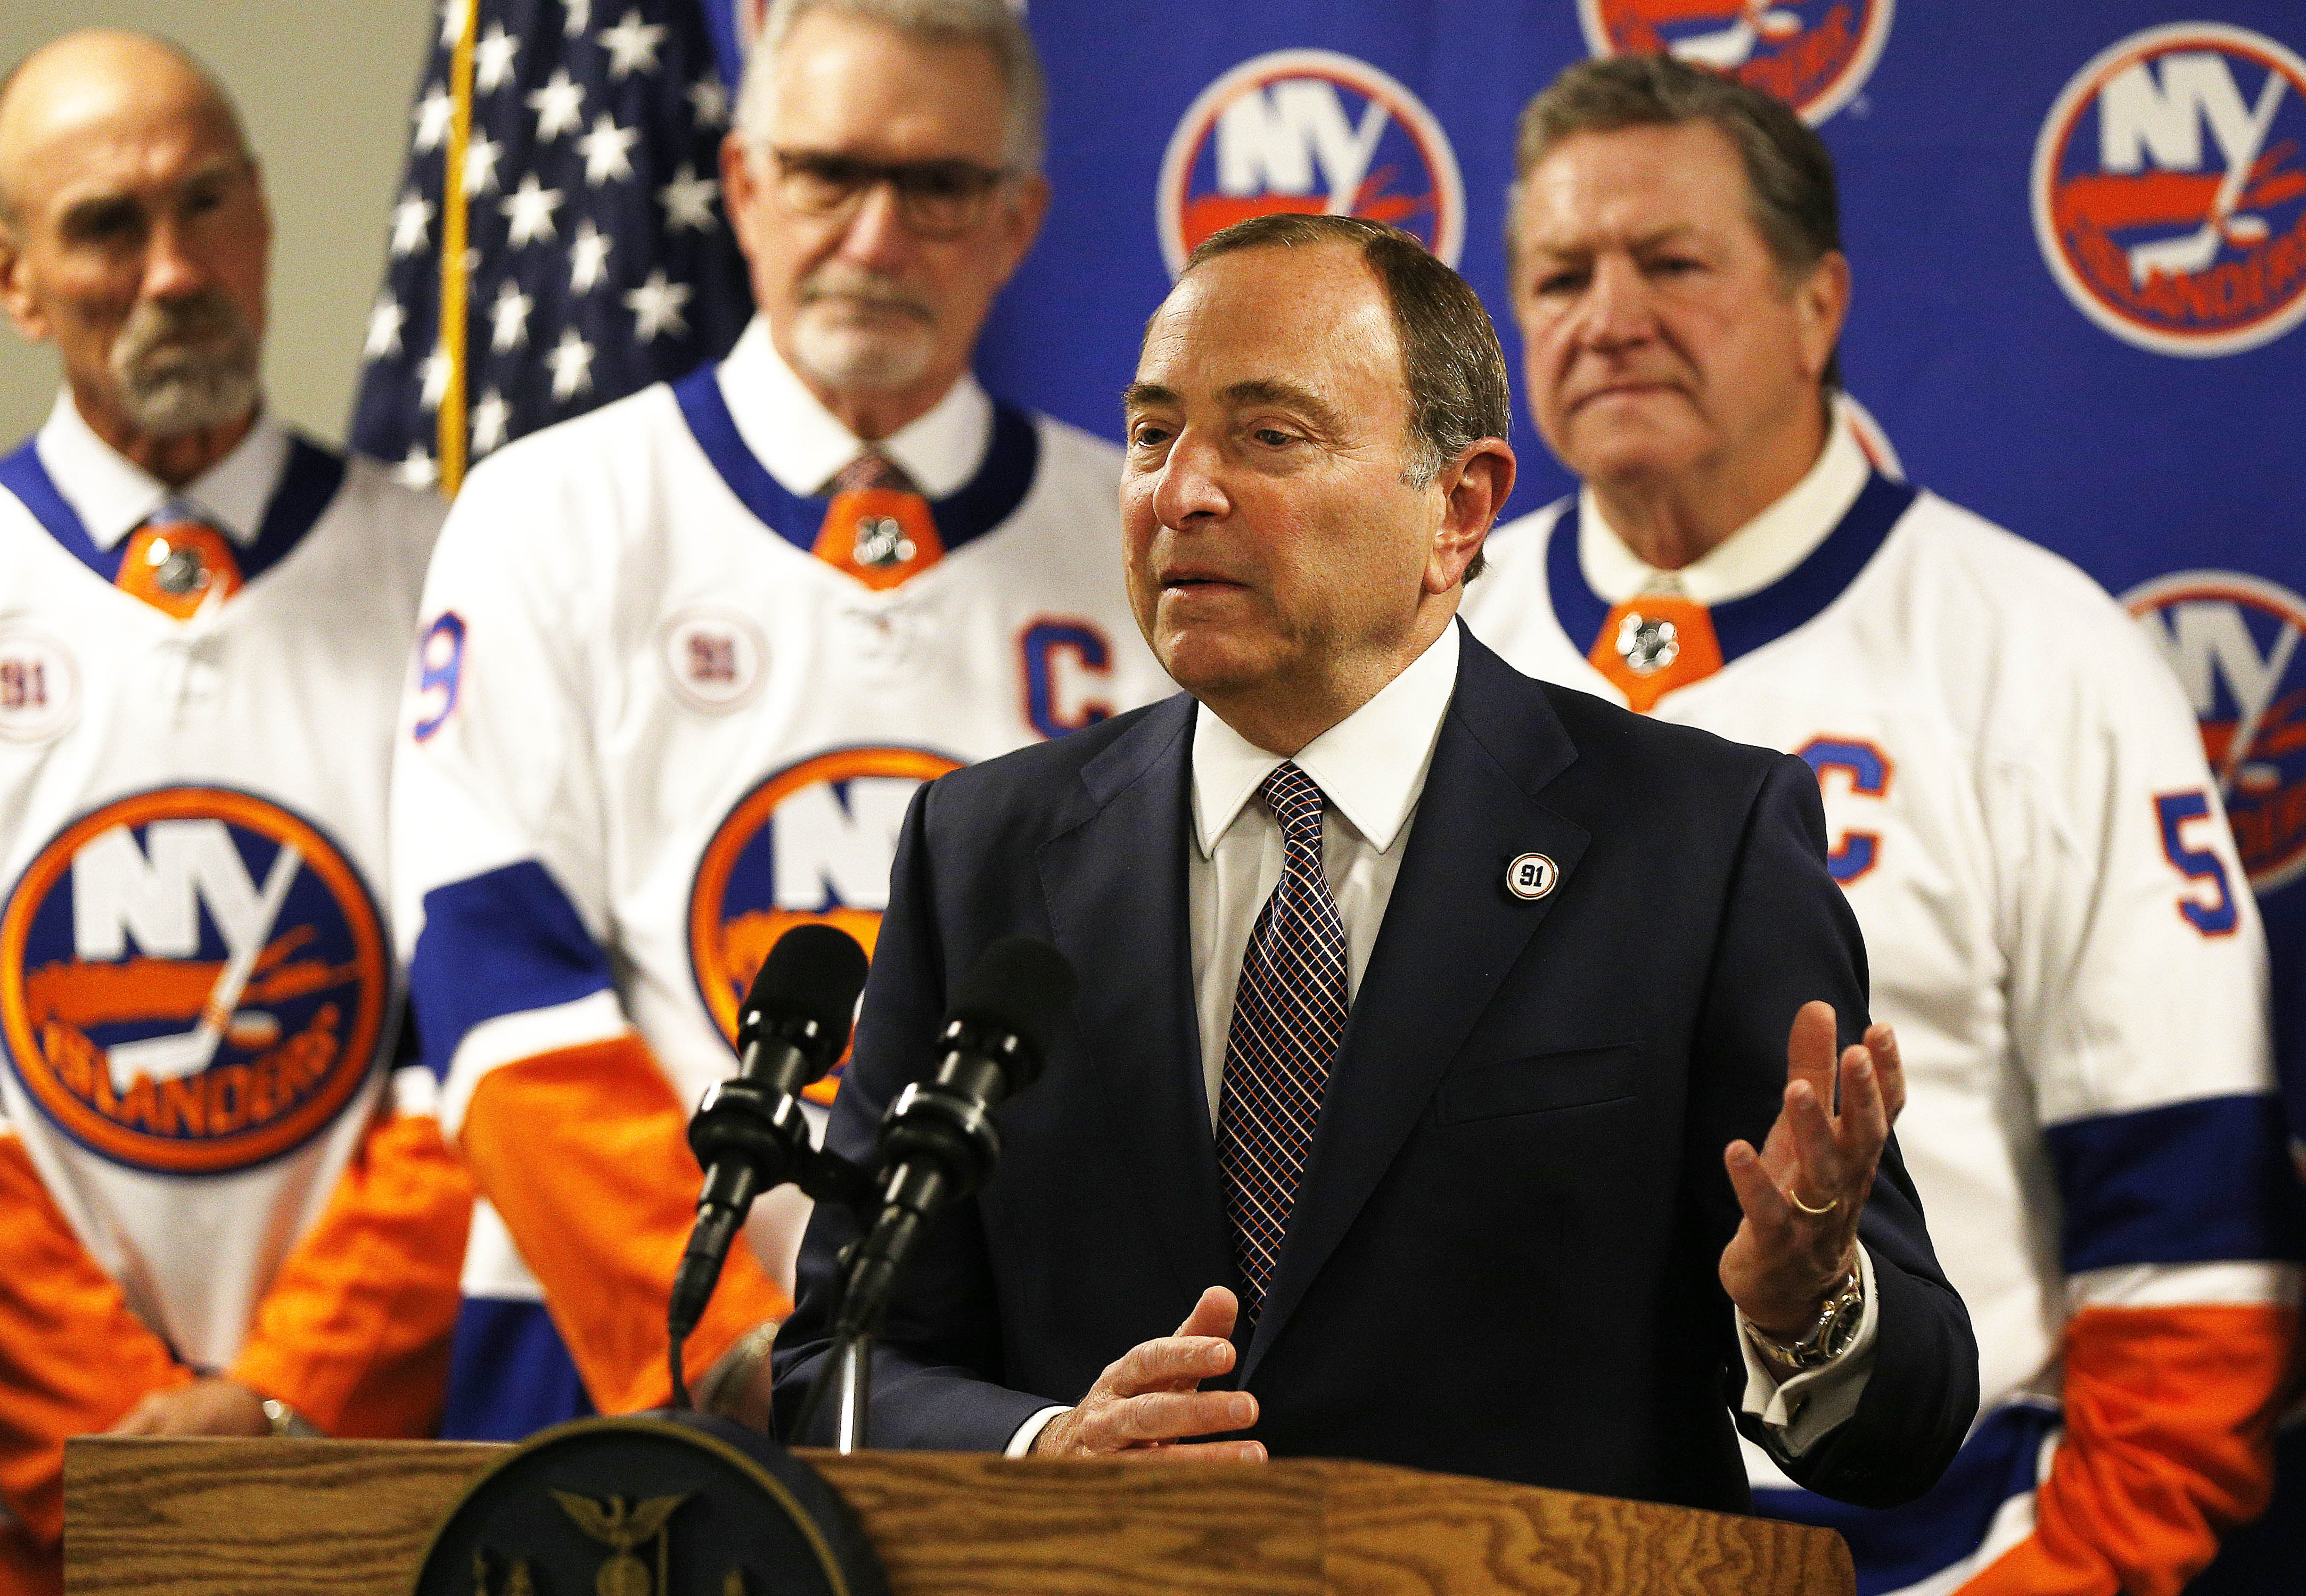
804,445
1360,764
113,495
1749,558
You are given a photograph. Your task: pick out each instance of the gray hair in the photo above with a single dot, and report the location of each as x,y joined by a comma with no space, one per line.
996,25
1789,171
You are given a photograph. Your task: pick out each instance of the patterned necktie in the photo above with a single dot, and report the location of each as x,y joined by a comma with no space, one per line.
878,528
176,564
1288,1018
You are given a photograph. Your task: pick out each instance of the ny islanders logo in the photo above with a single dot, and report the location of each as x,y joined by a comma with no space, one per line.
1813,55
813,842
2170,189
1314,132
191,980
2233,639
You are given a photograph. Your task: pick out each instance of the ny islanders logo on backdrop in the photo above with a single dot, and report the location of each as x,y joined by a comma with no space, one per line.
191,980
1309,131
1813,55
2233,640
2170,189
813,842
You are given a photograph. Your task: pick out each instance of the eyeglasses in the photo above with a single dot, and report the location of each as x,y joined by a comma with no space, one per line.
935,199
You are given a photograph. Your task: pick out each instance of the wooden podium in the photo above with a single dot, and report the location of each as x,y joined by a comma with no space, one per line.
353,1518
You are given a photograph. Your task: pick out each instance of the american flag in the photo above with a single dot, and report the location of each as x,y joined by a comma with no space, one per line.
596,259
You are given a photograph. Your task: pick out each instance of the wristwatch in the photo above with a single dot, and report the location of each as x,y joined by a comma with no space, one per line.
288,1423
1828,1337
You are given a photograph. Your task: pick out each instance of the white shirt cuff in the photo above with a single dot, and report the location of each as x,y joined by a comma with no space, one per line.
1809,1405
1030,1431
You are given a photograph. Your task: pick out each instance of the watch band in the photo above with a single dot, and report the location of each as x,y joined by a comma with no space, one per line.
1827,1337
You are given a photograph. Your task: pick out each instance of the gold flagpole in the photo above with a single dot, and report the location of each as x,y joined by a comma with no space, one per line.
454,203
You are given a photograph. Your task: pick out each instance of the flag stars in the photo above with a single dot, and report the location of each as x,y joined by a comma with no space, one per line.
385,320
657,307
608,152
453,15
491,421
588,258
412,223
433,373
529,210
431,117
575,18
508,317
688,200
492,59
480,158
708,102
632,46
417,471
560,106
571,364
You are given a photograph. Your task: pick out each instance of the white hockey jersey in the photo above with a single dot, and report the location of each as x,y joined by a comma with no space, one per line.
650,730
2058,928
198,988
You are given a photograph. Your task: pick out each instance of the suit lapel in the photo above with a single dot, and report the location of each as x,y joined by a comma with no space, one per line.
1115,888
1450,933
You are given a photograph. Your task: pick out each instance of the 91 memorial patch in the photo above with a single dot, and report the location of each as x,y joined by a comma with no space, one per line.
192,980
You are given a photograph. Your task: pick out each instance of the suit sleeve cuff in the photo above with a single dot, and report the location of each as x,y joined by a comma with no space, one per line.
1804,1408
1030,1431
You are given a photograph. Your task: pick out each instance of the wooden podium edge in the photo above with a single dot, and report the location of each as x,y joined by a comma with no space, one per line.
212,1517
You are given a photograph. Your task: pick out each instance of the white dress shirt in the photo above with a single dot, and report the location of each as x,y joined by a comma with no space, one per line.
1371,768
113,495
805,445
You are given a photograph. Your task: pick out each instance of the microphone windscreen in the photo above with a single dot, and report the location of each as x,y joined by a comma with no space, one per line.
1020,983
814,972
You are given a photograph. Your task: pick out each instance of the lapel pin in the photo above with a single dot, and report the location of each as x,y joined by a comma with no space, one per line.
1532,875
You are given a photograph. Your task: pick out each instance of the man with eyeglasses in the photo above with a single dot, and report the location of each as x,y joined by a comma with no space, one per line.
688,657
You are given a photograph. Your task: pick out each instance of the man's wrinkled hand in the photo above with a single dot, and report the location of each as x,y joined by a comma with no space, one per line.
213,1406
1149,1405
1803,1191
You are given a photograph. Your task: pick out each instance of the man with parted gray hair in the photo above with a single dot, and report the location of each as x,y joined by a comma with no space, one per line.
738,620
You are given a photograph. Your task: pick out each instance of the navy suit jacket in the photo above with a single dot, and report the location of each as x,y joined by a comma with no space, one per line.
1504,1257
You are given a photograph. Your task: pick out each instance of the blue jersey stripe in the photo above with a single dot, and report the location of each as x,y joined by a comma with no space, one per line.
1897,1547
504,942
308,485
509,1374
973,509
2207,1180
1743,624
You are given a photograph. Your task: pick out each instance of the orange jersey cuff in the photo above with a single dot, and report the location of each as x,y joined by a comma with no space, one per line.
584,1151
354,1333
73,1359
2169,1423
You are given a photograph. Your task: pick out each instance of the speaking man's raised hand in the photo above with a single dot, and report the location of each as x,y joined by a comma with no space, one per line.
1148,1404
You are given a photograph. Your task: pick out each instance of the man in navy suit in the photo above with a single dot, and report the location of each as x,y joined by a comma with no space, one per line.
1426,1066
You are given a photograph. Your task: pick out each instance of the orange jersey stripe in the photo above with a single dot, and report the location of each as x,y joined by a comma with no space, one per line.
72,1356
354,1332
2169,1423
584,1151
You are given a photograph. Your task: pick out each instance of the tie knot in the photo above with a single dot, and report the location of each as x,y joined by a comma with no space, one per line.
1295,800
871,470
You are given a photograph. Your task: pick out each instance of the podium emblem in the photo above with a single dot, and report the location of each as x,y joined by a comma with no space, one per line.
656,1504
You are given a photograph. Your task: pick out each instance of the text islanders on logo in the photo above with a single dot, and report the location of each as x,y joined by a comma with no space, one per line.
1814,56
1312,132
192,980
2233,641
2169,189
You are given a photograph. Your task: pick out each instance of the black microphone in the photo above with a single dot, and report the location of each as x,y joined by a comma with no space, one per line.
749,1134
938,1143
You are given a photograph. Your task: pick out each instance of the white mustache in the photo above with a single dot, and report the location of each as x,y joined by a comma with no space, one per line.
863,287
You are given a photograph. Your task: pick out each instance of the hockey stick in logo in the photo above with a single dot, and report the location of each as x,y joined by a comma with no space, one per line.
2245,731
188,1053
1732,46
2184,255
